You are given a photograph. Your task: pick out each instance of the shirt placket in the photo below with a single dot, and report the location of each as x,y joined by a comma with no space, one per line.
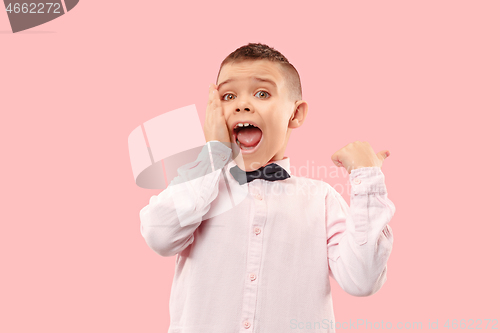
254,256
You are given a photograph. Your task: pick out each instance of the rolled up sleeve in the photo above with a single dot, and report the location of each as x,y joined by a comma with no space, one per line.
359,239
171,217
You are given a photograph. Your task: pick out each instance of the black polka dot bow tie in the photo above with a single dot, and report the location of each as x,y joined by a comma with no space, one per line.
270,172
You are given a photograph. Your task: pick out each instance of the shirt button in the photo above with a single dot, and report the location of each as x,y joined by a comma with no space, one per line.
246,324
223,157
356,181
253,277
256,230
258,197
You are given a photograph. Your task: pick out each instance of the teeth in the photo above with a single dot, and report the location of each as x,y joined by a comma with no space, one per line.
242,125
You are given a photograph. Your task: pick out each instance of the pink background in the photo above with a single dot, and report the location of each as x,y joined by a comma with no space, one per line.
418,78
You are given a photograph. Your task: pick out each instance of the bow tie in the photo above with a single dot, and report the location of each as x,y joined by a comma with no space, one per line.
270,172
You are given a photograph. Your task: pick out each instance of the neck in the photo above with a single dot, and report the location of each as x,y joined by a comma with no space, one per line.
274,160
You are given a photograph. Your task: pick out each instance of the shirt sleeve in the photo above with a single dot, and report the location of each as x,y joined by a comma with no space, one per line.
171,217
359,239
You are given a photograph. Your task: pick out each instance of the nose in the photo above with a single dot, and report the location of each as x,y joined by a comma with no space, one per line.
242,104
239,109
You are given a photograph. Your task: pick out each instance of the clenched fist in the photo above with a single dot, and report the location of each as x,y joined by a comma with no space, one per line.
215,127
358,154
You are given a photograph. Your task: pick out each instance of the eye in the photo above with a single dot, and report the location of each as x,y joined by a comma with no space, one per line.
233,97
224,97
262,91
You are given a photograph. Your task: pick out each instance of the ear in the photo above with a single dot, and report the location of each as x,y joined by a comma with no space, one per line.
299,114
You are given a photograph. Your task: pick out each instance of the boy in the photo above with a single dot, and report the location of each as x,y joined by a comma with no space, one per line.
263,265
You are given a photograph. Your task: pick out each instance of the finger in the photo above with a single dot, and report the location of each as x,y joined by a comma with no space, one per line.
338,163
336,159
339,154
210,94
216,97
382,155
215,92
213,97
217,102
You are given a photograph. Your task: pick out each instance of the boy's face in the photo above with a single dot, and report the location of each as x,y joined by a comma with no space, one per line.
264,104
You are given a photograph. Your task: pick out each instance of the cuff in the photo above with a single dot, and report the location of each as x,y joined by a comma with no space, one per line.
219,153
367,180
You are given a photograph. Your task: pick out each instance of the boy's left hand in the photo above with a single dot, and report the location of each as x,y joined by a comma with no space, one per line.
358,154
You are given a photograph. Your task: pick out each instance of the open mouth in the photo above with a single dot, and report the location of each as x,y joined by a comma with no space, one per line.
247,136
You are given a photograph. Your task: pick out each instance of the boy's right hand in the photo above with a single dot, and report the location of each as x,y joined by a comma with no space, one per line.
215,127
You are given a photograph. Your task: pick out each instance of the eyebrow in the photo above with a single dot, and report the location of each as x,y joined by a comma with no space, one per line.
255,78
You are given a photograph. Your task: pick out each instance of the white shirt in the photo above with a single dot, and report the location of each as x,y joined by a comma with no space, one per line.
261,263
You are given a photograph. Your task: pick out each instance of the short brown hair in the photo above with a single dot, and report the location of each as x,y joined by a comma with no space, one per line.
258,51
